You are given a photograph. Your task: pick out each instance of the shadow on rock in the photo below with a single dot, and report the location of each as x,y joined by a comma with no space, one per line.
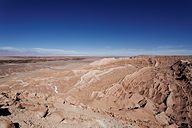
4,112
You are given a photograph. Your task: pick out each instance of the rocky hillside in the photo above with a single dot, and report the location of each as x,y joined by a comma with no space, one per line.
135,92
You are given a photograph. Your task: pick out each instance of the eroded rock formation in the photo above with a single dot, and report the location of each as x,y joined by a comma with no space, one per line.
142,91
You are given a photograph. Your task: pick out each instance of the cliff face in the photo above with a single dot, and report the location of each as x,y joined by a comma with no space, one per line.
142,91
182,92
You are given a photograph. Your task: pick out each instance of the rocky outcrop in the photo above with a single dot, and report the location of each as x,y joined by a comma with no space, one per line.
183,70
180,99
163,91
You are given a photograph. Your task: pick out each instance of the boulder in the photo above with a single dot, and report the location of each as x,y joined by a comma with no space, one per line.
136,101
56,116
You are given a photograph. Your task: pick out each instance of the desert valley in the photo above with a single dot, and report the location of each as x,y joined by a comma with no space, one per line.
95,92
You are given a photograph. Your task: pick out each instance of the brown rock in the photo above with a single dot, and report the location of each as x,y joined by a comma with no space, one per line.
41,111
162,118
56,116
5,123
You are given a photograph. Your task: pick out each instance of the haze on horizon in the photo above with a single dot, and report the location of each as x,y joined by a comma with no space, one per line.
95,27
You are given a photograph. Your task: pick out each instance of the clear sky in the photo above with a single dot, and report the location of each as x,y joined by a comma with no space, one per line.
96,27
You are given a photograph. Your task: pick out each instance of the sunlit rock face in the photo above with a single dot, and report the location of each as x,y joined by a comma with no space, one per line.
135,92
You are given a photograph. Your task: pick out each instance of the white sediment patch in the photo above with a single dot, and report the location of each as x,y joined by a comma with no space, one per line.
23,83
88,78
96,75
185,61
101,123
43,79
79,72
107,61
110,70
103,62
55,89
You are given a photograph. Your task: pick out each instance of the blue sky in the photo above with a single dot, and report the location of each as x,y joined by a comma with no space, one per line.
96,27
